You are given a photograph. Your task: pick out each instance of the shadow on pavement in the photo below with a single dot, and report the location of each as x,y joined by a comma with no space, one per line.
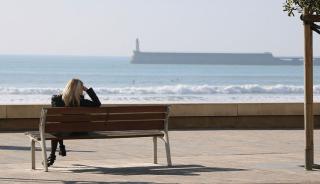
26,148
28,180
316,166
188,170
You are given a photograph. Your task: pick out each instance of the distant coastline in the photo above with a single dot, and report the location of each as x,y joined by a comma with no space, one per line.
141,57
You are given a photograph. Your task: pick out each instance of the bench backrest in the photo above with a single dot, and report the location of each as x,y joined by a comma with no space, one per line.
117,118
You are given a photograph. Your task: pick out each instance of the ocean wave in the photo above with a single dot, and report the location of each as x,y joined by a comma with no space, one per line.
29,91
174,90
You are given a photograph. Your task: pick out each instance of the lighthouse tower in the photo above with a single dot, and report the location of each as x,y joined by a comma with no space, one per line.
137,45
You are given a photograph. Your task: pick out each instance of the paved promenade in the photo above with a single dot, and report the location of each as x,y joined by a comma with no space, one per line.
216,156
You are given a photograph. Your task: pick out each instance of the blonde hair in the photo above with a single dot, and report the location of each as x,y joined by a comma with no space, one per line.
72,92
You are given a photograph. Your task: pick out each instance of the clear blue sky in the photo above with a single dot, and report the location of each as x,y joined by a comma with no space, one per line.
109,27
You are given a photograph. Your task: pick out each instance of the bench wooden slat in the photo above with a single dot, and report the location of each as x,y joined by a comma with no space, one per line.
136,125
118,109
98,135
76,118
75,127
105,126
131,109
140,116
74,110
104,117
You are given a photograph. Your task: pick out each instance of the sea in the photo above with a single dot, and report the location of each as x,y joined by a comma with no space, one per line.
33,79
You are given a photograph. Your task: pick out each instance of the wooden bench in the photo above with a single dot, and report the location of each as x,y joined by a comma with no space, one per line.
58,123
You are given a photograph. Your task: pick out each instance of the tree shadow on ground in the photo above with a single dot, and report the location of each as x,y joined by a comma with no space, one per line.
30,180
185,170
26,148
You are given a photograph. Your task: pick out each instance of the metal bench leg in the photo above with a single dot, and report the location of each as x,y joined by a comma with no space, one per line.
43,139
44,155
155,151
167,145
33,155
166,138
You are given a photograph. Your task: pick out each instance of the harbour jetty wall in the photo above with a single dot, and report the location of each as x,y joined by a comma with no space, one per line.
189,116
266,58
215,58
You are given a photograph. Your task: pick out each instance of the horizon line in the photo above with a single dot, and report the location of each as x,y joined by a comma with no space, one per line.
98,55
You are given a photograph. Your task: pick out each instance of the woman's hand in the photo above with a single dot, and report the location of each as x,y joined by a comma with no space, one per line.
85,88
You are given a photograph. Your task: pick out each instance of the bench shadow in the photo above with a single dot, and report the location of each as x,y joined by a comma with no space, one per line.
316,166
30,180
184,170
26,148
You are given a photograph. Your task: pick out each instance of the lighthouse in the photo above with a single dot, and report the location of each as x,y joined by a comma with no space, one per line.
137,45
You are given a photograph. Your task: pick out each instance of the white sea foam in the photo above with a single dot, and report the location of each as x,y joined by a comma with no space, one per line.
173,90
170,94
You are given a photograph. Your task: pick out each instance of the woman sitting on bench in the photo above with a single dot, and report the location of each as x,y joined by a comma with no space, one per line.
72,96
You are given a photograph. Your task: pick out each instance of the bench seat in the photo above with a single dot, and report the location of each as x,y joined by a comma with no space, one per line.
96,135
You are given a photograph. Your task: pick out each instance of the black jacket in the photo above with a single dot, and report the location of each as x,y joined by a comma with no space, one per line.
56,100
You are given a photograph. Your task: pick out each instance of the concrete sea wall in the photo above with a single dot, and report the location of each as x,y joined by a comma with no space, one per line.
190,116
